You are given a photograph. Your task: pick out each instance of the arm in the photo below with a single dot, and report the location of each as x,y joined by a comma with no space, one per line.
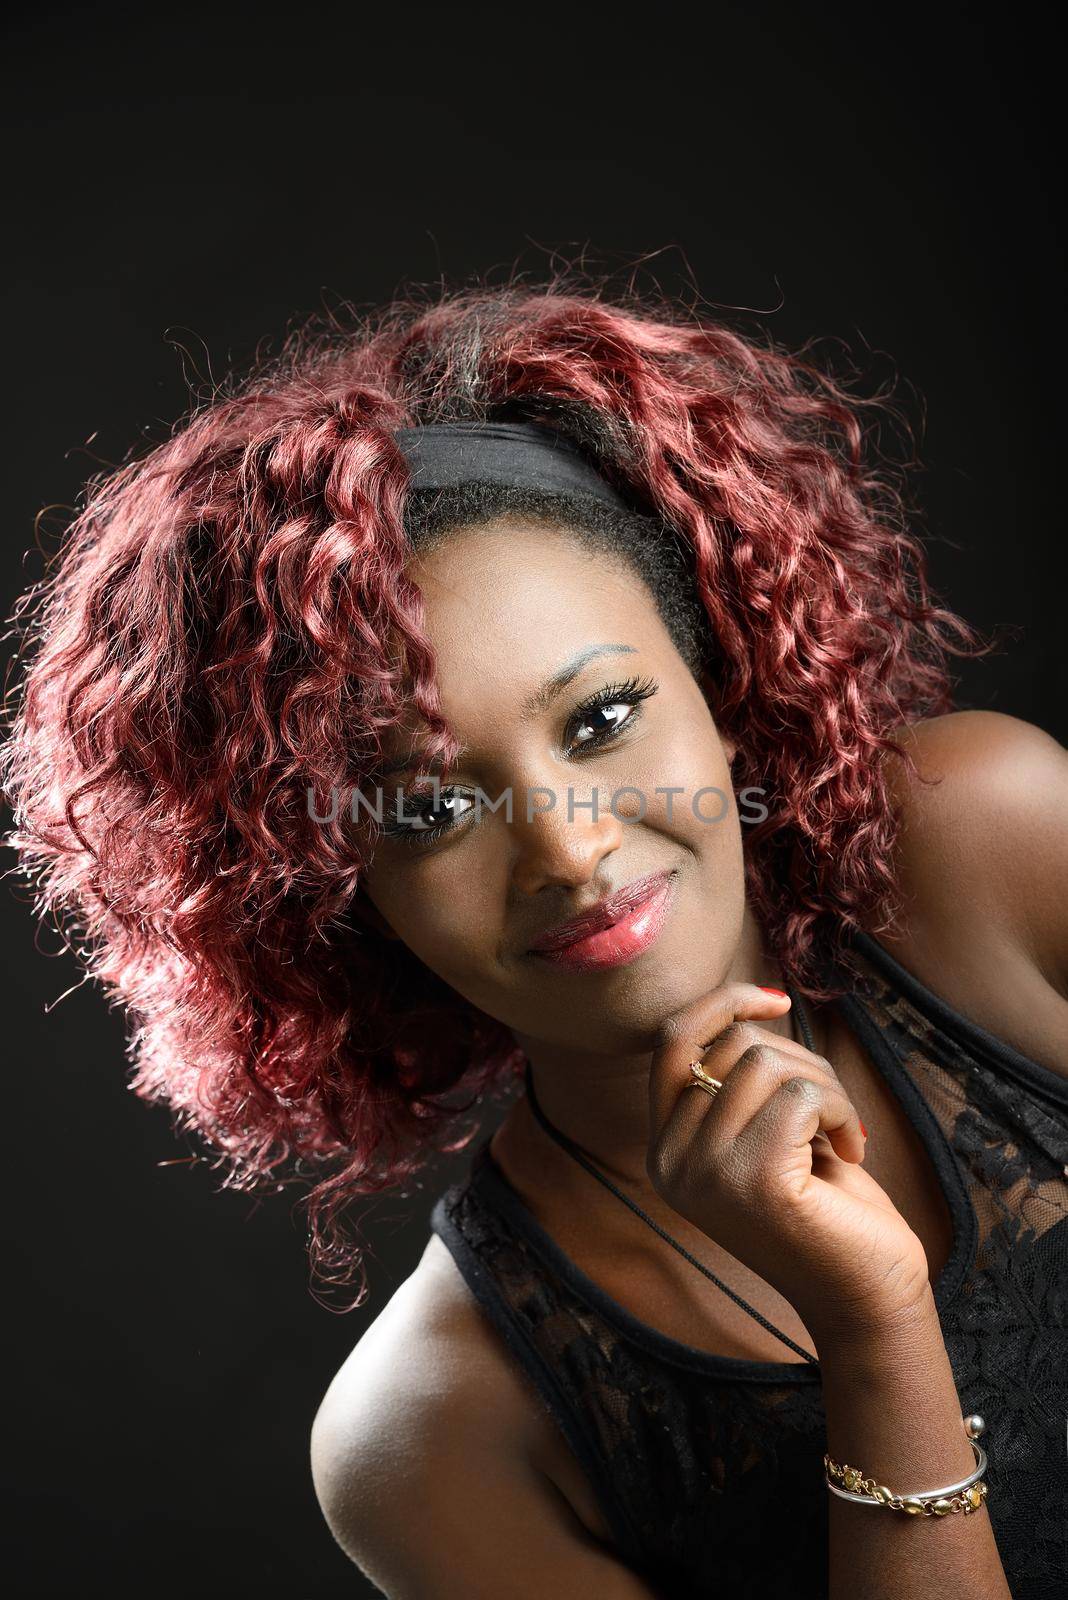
770,1166
420,1470
892,1409
983,855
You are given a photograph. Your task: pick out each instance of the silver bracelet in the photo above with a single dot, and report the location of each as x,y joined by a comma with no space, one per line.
849,1483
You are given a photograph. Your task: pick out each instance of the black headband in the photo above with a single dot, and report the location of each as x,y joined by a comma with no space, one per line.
519,454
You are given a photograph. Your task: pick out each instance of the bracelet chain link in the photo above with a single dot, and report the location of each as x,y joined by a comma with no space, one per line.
855,1483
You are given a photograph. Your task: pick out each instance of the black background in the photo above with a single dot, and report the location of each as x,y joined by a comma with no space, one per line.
197,181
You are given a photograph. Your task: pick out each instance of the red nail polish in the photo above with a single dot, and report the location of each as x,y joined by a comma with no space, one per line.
863,1129
780,992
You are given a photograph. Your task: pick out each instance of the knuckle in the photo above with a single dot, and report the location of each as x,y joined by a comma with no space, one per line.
669,1031
739,1035
657,1167
803,1088
692,1171
733,1170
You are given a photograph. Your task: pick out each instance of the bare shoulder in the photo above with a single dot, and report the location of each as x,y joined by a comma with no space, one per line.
430,1410
429,1350
982,858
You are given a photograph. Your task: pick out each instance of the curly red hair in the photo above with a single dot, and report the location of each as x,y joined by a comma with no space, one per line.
230,627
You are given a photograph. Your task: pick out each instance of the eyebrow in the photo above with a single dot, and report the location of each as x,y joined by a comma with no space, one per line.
539,701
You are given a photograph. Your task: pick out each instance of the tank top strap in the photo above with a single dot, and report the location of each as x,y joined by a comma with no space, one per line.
953,1061
913,998
533,1310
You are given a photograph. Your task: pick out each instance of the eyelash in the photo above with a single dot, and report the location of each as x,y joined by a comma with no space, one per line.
631,692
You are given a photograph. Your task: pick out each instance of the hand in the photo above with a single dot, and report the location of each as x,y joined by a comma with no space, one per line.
770,1168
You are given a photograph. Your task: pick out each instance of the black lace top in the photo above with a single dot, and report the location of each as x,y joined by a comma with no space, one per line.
688,1452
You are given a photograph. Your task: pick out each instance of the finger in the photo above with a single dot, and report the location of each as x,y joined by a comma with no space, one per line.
798,1109
757,1076
680,1132
684,1035
749,1083
721,1054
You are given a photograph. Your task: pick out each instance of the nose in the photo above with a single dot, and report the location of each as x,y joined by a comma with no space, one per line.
553,848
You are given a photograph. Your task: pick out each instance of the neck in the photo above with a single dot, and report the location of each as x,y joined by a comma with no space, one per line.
602,1102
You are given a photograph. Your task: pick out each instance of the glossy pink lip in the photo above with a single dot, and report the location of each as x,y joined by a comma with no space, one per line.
636,927
604,914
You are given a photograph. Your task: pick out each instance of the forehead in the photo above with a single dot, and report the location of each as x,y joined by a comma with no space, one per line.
511,600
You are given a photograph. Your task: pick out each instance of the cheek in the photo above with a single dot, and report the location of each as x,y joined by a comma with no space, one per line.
446,921
700,811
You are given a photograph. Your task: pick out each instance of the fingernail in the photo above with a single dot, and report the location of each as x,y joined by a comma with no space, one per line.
767,990
863,1129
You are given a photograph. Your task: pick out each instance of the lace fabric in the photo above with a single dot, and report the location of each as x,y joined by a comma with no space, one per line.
696,1459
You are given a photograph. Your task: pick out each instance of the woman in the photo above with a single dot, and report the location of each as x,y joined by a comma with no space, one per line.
542,685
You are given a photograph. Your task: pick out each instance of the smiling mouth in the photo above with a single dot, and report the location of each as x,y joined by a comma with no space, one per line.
595,943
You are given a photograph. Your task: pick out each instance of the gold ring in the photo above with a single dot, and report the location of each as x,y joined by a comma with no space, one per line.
704,1080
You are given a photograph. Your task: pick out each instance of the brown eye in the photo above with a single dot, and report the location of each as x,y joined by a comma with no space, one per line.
420,819
606,720
609,711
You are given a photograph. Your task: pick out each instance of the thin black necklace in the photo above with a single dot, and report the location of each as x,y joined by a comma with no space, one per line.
799,1010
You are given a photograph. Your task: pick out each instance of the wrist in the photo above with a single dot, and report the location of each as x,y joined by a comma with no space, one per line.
891,1401
880,1336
